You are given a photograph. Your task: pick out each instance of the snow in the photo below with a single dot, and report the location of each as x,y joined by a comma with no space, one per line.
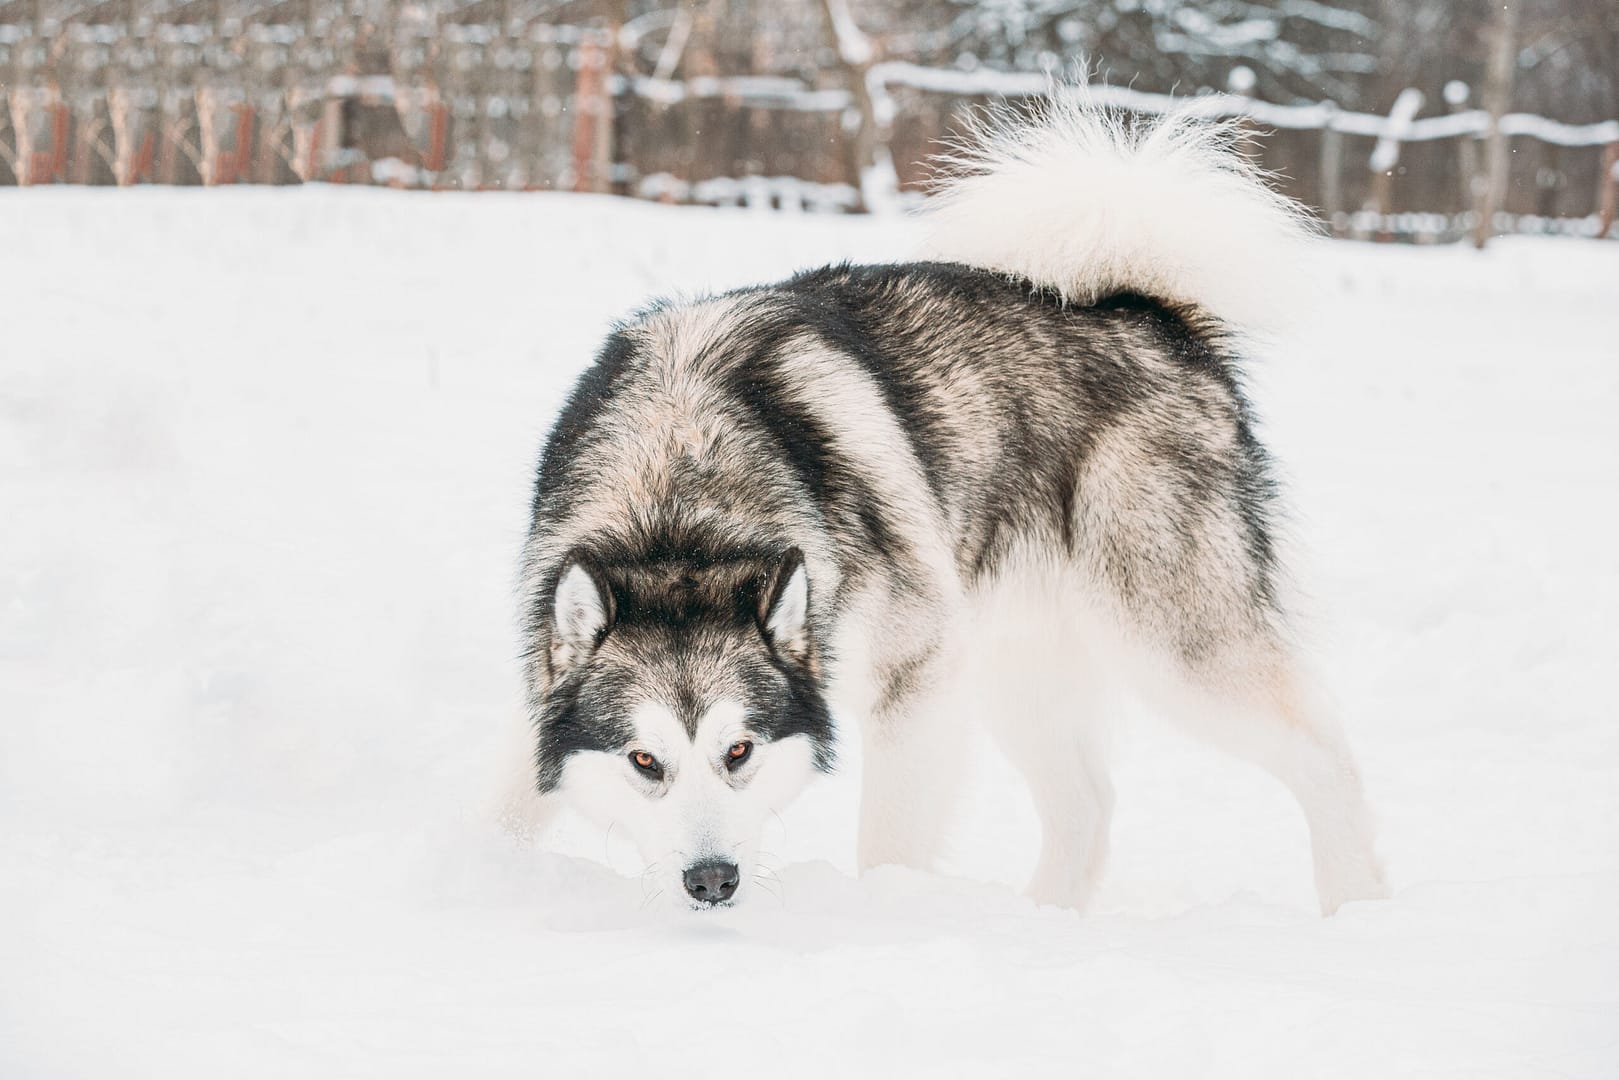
263,469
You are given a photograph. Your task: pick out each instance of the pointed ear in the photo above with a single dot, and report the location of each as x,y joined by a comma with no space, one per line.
784,609
581,615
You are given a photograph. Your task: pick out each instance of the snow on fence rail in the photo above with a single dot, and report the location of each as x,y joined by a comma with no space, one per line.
779,92
1317,116
790,93
755,192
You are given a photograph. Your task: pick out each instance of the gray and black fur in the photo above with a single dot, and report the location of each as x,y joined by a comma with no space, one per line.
915,436
1045,384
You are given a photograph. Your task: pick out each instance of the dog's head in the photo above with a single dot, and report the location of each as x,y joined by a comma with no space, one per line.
684,706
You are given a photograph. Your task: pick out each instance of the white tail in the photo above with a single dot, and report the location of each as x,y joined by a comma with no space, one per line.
1075,201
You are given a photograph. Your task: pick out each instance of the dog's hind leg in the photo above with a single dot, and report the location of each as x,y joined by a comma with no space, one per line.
1265,714
1173,520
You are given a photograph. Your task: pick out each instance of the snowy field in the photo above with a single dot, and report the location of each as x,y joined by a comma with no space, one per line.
264,460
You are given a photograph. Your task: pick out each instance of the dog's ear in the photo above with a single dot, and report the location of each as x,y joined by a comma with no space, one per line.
784,610
581,615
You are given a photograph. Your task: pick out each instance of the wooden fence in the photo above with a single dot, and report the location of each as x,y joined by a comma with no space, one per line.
533,105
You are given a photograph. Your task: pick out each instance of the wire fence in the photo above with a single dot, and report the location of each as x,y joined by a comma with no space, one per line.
470,98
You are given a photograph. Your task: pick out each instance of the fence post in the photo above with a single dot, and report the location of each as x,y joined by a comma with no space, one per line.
1456,95
1608,190
593,112
438,137
1386,155
246,117
1332,163
1497,99
208,134
61,122
870,166
127,135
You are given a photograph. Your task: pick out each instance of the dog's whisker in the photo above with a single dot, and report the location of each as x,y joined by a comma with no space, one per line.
773,888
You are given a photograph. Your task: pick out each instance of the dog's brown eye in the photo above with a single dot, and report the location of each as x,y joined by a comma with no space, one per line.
646,763
738,753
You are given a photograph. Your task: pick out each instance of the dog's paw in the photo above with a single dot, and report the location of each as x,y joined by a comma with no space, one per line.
1360,879
1061,886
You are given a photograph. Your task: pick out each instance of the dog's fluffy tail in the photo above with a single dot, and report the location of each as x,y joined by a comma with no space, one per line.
1076,201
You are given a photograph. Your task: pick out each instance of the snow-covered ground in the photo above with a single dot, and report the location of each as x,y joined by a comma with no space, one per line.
264,460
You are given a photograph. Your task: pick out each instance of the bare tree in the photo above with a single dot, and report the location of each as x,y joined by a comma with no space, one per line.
1497,100
856,52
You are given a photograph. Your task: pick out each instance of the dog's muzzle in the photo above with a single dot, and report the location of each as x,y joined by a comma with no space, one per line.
711,882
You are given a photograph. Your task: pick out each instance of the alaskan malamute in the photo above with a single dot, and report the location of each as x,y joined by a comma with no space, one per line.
974,488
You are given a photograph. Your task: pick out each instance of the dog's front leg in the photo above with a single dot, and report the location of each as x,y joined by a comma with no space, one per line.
517,805
915,746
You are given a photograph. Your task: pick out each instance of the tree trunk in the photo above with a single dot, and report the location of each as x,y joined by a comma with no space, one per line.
1608,190
1497,99
868,166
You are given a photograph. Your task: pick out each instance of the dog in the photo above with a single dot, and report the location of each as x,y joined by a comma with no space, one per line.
972,489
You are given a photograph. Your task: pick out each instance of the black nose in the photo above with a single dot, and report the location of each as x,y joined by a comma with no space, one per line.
712,881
